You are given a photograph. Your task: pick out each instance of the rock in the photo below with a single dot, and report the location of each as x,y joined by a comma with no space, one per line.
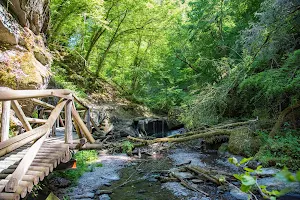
173,118
104,197
141,191
197,181
274,183
24,59
239,194
107,184
59,182
86,195
205,198
99,192
184,175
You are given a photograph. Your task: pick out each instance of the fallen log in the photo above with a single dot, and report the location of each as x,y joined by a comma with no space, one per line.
203,173
182,139
187,185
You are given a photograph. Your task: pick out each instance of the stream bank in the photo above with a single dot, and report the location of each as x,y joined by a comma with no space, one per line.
122,177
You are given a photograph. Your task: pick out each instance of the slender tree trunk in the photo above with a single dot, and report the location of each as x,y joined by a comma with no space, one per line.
111,42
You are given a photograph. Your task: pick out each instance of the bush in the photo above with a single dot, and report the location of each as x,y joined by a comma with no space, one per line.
280,151
84,159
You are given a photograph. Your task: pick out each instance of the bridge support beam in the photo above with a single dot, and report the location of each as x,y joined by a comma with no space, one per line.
68,123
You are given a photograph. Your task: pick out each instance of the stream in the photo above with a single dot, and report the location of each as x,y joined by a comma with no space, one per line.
124,178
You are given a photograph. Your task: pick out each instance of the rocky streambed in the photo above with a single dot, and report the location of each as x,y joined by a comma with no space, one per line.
140,177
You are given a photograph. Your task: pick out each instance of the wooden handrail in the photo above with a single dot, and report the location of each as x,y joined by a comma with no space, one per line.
82,126
43,104
22,168
36,121
6,95
20,114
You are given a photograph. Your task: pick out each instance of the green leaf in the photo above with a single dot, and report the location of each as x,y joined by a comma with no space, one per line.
248,180
248,169
263,186
245,188
233,160
222,179
259,167
237,176
244,160
272,198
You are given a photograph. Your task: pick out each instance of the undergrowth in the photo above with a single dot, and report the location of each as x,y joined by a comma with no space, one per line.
282,150
84,164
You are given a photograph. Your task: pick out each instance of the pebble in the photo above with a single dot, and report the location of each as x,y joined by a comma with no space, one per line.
104,197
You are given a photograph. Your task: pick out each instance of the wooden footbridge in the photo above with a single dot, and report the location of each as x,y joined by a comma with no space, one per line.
25,159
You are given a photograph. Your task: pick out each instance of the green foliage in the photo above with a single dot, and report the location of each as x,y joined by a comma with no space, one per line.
83,160
249,181
127,147
280,151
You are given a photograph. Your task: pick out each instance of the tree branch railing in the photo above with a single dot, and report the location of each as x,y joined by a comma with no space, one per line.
37,135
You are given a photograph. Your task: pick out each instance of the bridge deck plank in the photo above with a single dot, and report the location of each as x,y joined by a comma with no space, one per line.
53,151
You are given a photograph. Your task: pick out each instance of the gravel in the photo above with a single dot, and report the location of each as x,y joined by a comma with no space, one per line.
89,182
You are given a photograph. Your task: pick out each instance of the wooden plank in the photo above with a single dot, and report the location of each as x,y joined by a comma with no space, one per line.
24,94
22,191
33,150
82,126
43,104
9,196
5,120
20,140
36,121
68,123
20,114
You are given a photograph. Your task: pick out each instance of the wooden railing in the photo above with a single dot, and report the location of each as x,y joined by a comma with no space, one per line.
38,135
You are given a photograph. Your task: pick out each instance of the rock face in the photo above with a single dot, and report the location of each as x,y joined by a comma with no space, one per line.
24,59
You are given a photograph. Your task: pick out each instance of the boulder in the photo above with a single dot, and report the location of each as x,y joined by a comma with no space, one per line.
24,58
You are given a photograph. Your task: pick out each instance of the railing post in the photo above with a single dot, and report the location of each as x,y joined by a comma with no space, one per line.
5,120
68,123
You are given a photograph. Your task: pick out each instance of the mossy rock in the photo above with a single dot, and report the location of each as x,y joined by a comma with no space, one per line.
244,142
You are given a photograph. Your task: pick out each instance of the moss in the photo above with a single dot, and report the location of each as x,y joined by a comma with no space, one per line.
7,79
244,142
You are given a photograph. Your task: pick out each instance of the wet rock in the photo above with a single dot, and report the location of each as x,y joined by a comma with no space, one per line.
112,177
184,175
104,197
239,194
142,191
59,182
99,192
205,198
83,196
253,164
197,181
268,172
274,183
